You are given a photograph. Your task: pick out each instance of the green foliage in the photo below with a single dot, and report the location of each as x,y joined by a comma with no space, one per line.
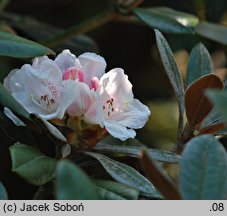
3,192
173,73
15,46
167,20
213,31
200,63
32,165
203,169
72,183
156,154
114,190
125,174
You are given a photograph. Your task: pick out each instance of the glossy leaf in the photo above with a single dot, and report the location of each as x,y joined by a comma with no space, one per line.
167,20
3,192
124,174
121,190
32,165
200,63
159,178
172,72
219,98
156,154
203,169
213,31
197,104
15,46
72,183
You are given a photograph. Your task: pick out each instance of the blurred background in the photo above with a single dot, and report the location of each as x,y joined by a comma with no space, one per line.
123,43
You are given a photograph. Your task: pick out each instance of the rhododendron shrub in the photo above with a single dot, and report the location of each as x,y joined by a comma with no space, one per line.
76,126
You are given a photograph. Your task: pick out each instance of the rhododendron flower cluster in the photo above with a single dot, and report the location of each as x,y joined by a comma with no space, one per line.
80,89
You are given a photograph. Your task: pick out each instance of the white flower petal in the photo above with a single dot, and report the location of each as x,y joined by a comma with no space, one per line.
116,84
134,115
119,131
65,60
93,65
67,98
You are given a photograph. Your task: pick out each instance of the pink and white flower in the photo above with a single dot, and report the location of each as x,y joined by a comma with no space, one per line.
80,87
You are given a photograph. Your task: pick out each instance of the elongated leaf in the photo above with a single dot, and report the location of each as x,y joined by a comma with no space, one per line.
212,31
120,190
203,169
38,31
72,183
156,154
196,103
173,74
7,100
3,192
219,98
31,164
124,174
157,176
15,46
167,20
200,63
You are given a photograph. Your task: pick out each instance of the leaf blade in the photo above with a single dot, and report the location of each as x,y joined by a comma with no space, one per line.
200,63
72,183
167,20
203,169
3,192
124,174
31,164
196,103
156,154
14,46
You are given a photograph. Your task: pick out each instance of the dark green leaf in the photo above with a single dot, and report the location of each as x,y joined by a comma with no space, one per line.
72,183
156,154
121,190
219,98
3,193
203,169
7,100
32,165
212,31
172,72
167,20
200,63
124,174
37,31
15,46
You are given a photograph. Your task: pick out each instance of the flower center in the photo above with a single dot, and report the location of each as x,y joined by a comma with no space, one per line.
50,97
108,107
